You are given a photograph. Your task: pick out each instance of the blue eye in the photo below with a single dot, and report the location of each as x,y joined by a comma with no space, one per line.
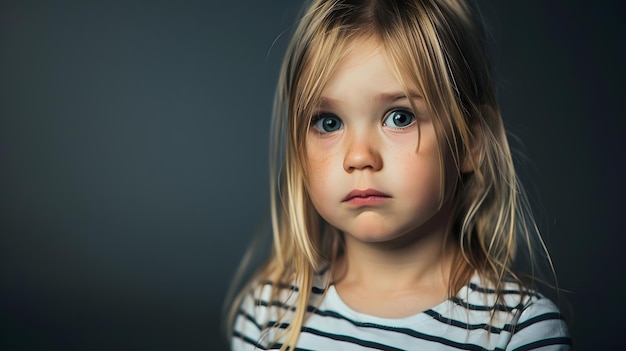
326,123
399,119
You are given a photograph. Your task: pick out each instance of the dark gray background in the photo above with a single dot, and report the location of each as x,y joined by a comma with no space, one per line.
133,141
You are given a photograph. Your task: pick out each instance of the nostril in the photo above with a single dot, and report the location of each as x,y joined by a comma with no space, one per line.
362,156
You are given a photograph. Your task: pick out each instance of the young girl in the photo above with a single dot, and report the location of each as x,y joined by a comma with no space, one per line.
396,209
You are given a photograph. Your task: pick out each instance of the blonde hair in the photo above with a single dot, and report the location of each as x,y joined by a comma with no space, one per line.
436,46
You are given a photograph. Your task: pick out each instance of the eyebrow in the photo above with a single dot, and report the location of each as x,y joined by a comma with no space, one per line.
386,97
395,96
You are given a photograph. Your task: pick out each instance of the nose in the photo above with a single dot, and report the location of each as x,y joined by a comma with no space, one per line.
362,153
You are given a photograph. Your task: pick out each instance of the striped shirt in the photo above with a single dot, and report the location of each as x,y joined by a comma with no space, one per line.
462,322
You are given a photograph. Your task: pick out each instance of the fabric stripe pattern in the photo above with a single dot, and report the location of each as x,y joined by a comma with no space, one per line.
523,320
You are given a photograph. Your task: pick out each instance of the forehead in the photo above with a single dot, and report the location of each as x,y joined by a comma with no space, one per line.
365,68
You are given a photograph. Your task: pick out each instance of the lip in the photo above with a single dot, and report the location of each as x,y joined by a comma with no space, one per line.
365,197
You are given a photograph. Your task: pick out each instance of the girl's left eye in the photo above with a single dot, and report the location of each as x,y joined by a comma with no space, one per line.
399,119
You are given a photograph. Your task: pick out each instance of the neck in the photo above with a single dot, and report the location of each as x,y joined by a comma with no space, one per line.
417,260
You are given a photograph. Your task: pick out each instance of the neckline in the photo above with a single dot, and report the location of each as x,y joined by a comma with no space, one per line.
335,302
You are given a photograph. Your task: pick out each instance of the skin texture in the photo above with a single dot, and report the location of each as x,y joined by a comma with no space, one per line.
394,243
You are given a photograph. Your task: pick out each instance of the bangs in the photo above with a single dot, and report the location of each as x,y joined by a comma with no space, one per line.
417,42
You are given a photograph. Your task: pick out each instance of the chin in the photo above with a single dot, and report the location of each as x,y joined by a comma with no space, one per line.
372,234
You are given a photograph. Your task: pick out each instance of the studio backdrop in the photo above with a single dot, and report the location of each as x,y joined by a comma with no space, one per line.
133,155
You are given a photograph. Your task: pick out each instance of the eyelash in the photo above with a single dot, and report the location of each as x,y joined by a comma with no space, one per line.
402,110
321,115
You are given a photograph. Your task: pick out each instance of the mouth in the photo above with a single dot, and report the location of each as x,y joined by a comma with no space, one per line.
365,197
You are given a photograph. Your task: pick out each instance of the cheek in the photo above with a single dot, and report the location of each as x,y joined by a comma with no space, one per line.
423,174
316,164
319,174
420,172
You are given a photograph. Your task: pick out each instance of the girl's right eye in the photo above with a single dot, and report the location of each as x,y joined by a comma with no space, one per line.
326,123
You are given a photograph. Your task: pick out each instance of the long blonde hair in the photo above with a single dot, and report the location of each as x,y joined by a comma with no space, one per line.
436,45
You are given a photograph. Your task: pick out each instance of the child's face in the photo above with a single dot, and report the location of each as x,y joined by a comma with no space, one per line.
373,164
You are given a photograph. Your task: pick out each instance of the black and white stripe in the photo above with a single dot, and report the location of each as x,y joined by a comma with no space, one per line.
462,322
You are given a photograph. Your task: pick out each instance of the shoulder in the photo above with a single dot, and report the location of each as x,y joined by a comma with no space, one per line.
259,310
532,320
248,322
265,310
540,324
